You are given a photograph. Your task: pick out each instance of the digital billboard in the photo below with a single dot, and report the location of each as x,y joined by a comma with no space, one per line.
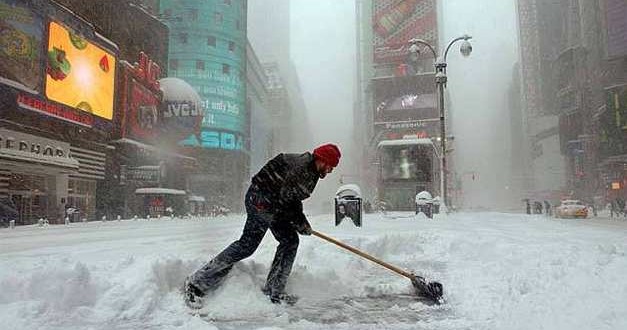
616,18
21,33
79,74
214,67
402,99
397,21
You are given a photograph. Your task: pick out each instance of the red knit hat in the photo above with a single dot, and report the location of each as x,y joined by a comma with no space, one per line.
328,153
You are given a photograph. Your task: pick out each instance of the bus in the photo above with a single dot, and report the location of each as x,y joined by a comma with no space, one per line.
406,167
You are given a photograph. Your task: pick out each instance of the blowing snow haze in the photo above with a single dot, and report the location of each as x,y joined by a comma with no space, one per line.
170,164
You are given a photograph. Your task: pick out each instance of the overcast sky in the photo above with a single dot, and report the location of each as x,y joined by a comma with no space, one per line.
478,88
323,50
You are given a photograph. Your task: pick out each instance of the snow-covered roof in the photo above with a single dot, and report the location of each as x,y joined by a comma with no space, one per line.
348,190
423,195
17,85
107,41
176,89
151,148
159,191
404,142
194,198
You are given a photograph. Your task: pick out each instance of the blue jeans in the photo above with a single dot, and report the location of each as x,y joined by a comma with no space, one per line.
259,219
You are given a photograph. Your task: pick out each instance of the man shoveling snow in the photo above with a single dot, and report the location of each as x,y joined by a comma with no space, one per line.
273,201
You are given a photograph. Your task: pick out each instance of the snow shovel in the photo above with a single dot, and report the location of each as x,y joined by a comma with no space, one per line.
422,288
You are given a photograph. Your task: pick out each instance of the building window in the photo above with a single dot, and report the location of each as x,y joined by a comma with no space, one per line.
226,69
200,65
211,41
231,46
218,18
193,14
174,64
183,38
227,2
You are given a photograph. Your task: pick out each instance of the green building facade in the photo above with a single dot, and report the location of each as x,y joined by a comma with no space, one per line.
208,50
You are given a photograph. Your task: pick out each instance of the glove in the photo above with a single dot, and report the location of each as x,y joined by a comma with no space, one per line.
303,227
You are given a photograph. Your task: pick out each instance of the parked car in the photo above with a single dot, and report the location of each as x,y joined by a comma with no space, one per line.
571,208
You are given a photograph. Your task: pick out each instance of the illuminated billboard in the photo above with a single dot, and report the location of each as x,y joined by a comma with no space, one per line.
403,99
214,67
78,73
21,32
396,21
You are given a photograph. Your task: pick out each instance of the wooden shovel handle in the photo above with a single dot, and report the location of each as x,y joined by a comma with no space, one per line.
364,255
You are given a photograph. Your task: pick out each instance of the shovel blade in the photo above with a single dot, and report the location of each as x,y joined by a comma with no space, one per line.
431,290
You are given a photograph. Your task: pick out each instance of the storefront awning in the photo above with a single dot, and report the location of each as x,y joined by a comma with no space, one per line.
159,191
404,142
154,149
194,198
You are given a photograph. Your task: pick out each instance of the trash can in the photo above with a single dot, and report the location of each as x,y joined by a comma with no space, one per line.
436,205
348,203
424,204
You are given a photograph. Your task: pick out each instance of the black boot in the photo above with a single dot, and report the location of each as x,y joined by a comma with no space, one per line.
283,298
193,296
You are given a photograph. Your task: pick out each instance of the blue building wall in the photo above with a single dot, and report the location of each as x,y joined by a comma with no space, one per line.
208,50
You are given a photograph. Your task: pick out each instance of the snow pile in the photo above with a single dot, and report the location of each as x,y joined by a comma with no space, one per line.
500,271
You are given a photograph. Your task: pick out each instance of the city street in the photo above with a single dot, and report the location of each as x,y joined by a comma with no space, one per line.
500,271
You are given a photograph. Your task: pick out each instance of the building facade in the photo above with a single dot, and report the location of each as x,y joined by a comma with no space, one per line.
54,143
545,177
143,151
258,101
573,74
208,50
269,35
395,96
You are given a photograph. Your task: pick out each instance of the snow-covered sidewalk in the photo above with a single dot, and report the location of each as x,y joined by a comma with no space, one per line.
500,271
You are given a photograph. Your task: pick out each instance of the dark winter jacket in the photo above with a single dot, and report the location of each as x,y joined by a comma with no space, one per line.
284,182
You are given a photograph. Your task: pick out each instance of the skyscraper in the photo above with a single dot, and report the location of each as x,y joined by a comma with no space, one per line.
208,50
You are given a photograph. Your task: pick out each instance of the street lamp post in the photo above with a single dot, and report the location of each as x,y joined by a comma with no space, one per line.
440,81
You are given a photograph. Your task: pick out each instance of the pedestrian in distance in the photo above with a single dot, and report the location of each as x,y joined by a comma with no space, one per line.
527,206
273,201
547,208
538,207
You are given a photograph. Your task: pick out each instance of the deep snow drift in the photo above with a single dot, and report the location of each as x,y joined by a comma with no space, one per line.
500,271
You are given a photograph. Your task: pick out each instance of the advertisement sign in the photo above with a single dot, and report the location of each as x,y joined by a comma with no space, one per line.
21,33
616,18
79,74
613,123
72,115
35,146
140,98
143,174
212,139
405,99
181,111
397,21
142,112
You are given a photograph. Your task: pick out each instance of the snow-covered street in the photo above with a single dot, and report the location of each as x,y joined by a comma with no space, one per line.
500,271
